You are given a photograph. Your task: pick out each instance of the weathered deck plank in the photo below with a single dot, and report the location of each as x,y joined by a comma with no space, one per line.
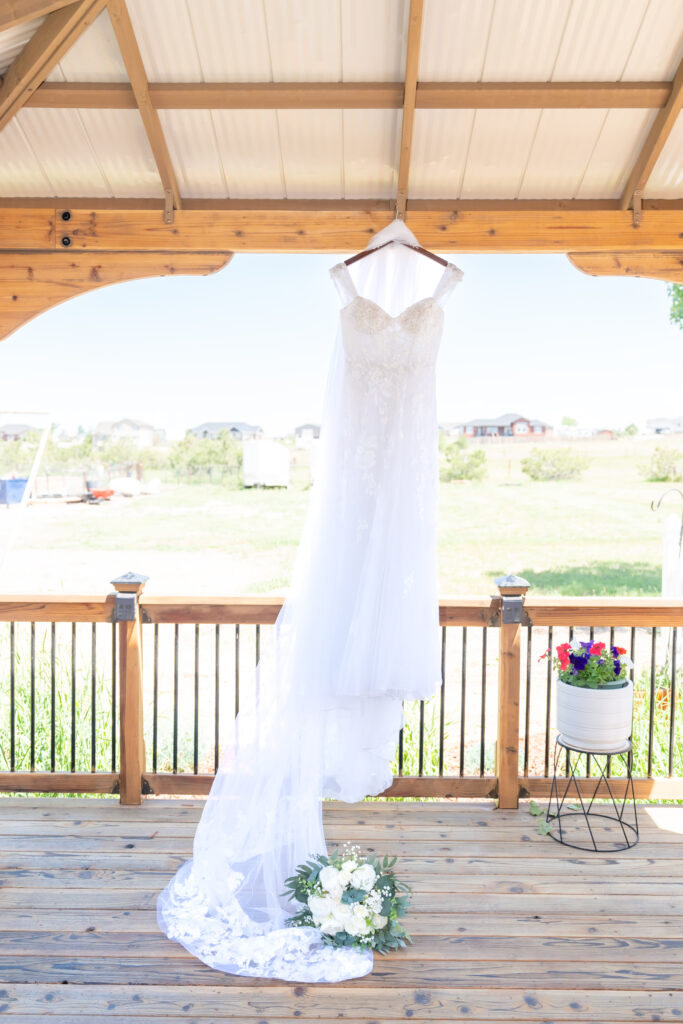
508,925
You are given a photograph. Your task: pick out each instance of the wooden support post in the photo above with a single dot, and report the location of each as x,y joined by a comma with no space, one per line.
512,591
127,613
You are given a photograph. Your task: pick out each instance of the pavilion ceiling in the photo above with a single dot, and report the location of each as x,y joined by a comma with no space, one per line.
268,125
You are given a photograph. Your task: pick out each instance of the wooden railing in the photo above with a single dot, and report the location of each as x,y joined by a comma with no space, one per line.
439,759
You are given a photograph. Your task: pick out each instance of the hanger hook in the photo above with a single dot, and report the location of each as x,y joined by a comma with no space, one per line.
671,490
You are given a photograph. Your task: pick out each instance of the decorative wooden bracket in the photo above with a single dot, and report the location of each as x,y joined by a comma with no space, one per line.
32,282
662,266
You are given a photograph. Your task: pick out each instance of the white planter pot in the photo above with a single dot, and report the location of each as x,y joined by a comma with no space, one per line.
597,720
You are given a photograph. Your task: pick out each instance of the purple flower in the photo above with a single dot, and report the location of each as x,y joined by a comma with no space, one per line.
579,661
617,668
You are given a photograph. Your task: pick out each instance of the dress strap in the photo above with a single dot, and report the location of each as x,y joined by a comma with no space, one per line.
343,282
447,282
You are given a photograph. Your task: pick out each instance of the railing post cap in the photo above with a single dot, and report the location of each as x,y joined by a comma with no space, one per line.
511,586
129,582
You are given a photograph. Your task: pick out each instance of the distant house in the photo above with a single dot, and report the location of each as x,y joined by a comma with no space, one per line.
306,433
143,435
665,426
14,431
240,431
510,425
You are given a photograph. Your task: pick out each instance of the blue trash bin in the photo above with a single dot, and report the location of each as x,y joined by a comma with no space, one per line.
12,490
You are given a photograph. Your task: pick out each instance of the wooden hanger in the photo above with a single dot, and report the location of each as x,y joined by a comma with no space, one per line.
417,248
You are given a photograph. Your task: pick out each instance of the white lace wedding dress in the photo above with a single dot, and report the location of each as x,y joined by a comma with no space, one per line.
358,633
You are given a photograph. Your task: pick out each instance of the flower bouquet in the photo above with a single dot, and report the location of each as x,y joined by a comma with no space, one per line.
354,901
594,695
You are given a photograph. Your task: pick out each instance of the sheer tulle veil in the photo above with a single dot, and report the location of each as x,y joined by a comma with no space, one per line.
308,734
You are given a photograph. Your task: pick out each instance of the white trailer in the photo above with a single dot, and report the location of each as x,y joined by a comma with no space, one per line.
265,464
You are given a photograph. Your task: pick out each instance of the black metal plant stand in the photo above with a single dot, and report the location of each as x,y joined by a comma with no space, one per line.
592,818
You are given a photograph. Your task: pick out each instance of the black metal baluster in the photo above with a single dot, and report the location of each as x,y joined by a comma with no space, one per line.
527,700
237,670
651,718
442,702
421,738
113,698
175,698
33,696
482,752
195,759
93,702
73,696
400,743
53,696
12,698
258,658
217,660
672,700
548,694
155,700
463,689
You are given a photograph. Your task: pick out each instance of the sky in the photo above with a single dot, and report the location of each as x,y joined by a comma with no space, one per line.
527,334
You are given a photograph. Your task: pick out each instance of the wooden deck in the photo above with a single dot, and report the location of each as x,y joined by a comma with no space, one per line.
508,925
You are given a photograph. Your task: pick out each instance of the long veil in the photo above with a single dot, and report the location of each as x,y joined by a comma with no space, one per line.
309,734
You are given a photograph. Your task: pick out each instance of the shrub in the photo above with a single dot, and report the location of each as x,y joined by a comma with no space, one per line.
665,464
554,464
460,462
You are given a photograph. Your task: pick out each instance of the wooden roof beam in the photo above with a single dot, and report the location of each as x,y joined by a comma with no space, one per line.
45,48
409,97
654,143
355,95
16,12
130,51
662,266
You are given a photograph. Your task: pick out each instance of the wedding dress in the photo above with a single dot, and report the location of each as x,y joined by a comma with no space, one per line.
357,634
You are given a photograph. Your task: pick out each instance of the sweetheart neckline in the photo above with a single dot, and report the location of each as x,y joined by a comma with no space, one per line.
399,316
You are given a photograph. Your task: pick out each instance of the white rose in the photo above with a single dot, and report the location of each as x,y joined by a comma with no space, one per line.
358,921
329,926
342,915
364,877
331,880
320,907
379,921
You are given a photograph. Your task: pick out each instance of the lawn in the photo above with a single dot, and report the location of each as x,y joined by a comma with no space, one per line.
596,535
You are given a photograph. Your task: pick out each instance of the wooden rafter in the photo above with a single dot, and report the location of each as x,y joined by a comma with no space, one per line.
355,95
211,226
663,266
655,141
16,12
45,48
409,96
132,58
31,283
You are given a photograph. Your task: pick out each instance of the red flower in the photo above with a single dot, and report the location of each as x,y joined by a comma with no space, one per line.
597,648
563,648
621,650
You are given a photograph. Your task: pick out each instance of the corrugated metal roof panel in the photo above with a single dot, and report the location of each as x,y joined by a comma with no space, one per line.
374,37
191,139
13,40
658,48
231,40
454,36
94,57
561,151
615,152
598,40
524,39
120,145
498,153
164,33
666,180
305,40
250,153
20,170
60,143
312,153
371,147
440,142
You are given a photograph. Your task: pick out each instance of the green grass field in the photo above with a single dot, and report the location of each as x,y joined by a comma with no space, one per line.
594,536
